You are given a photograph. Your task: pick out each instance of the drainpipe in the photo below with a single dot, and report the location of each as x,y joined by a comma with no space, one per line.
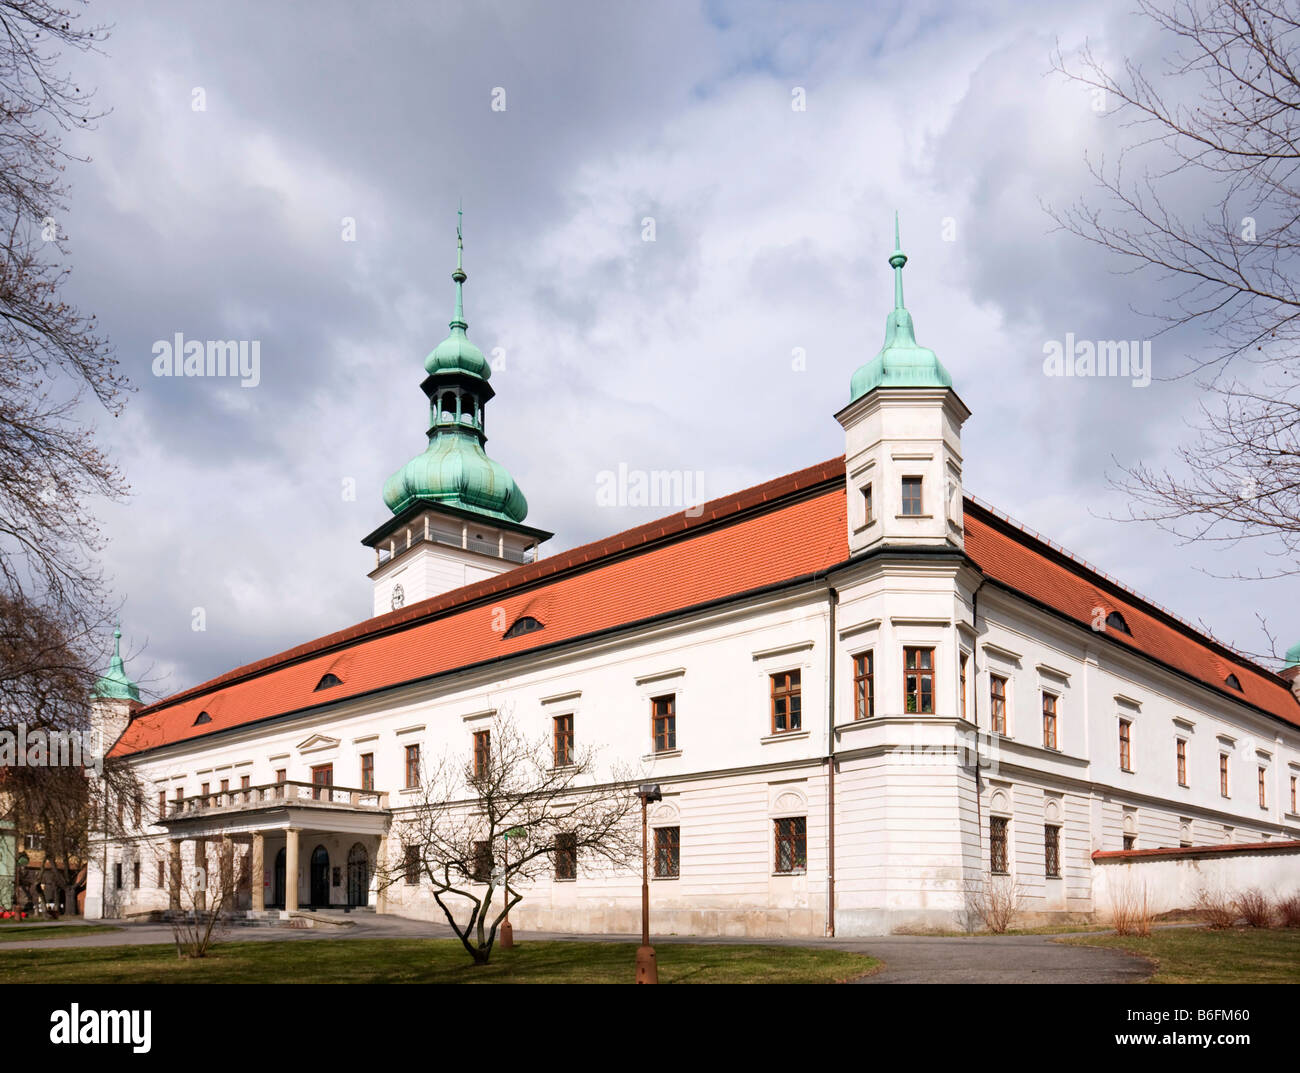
975,709
832,600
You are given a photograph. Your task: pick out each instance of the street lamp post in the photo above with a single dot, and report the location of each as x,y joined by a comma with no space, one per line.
507,939
647,971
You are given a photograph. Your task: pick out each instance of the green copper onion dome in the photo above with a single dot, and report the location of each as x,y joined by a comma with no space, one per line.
114,684
456,353
454,470
901,361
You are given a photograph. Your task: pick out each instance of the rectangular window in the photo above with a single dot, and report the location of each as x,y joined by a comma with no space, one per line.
281,777
1223,774
864,686
162,875
668,852
117,877
786,702
1293,789
791,844
1181,746
321,775
1263,784
137,809
1130,841
918,680
180,796
1125,745
1049,721
244,783
162,804
411,864
963,684
911,496
225,786
566,856
482,753
1052,851
563,740
135,875
663,723
998,703
998,844
412,766
204,790
482,868
868,516
367,771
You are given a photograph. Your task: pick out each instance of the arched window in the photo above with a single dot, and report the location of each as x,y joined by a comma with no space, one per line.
201,718
1115,621
1233,682
469,408
448,406
328,680
526,624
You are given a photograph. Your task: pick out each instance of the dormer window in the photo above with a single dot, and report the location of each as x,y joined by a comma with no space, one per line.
526,624
201,718
1115,621
328,680
1232,682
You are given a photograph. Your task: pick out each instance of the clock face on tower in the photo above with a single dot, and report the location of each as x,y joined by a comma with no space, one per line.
399,596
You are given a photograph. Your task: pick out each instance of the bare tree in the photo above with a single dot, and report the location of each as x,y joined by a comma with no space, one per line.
1224,120
50,353
508,816
61,787
205,893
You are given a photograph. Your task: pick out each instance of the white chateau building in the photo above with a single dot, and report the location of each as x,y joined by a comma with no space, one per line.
860,690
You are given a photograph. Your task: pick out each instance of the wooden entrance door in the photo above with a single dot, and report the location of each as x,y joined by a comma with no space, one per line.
358,876
278,891
320,877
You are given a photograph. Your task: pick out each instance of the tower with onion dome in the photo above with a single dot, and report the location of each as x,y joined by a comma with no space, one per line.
457,514
902,430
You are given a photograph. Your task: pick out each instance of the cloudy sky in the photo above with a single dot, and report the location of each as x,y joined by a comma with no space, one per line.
772,226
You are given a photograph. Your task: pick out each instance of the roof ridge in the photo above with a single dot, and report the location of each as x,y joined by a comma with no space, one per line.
638,538
1109,579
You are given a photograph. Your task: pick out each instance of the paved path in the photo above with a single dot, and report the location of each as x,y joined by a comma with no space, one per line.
909,959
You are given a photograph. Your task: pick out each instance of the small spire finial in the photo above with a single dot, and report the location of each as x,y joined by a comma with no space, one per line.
896,261
458,317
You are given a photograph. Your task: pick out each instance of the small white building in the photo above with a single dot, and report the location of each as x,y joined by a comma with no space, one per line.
860,690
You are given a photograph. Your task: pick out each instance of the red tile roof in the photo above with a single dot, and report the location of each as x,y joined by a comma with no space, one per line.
774,533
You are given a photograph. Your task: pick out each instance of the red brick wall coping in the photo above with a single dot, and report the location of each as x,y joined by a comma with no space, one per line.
1291,846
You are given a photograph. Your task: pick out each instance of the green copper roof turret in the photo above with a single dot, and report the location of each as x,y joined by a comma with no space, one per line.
114,684
456,353
454,470
901,361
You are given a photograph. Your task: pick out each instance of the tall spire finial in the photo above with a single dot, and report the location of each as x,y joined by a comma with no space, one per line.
117,639
896,261
458,317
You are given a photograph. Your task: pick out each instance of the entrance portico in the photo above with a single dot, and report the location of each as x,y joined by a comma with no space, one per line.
302,845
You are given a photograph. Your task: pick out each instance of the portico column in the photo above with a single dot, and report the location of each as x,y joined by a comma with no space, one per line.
227,868
201,881
174,876
381,876
291,870
259,874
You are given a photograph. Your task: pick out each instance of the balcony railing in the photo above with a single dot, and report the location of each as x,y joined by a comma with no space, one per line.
415,534
286,792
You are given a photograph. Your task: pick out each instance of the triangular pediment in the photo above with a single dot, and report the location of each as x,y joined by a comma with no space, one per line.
317,742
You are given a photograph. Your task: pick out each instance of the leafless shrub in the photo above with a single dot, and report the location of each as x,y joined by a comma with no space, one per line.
995,901
1254,906
1216,908
1131,910
1287,911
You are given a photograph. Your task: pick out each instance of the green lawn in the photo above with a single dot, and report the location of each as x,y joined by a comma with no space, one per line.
1202,956
431,961
12,933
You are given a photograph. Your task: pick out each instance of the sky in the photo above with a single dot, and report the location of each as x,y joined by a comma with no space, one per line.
677,220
